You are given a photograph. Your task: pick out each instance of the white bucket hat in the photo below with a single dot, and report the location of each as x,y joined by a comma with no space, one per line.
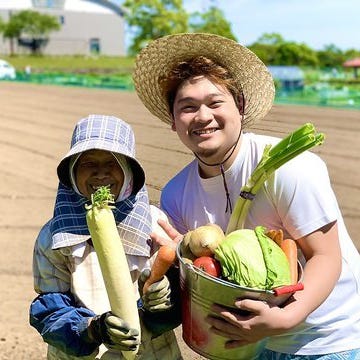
104,133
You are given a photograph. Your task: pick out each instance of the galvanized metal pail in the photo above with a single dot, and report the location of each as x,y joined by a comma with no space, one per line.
198,292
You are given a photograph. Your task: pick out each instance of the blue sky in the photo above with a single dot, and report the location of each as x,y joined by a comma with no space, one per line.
314,22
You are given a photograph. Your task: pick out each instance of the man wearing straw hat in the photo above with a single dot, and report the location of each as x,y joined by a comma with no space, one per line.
209,89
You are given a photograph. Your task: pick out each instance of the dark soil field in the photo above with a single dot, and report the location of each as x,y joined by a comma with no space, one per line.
36,123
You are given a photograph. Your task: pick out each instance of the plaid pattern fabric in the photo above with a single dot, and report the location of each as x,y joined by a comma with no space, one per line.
104,133
68,269
64,261
132,217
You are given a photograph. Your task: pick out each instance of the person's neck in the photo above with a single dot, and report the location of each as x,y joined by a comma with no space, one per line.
209,169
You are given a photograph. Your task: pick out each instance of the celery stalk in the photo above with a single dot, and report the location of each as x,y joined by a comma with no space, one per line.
304,138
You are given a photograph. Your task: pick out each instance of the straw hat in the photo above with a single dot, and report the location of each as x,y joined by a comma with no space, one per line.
161,55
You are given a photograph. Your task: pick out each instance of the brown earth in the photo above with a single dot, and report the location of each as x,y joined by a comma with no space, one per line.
36,122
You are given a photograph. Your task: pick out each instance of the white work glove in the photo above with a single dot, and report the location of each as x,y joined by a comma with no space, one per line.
114,332
157,296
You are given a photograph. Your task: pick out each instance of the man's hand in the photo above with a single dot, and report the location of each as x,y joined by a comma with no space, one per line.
157,297
114,332
172,238
253,321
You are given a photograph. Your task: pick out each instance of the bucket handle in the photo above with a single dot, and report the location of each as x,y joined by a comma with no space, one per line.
288,289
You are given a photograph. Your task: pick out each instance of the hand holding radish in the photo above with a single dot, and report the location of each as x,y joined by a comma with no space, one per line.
114,332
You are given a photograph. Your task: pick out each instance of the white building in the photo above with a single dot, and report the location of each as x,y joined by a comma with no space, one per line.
87,26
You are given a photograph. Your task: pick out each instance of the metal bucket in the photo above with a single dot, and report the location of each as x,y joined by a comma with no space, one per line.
198,292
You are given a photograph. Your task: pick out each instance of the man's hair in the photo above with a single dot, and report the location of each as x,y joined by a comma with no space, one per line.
197,66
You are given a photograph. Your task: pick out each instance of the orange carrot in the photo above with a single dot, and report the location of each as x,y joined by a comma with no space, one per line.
165,257
290,249
276,235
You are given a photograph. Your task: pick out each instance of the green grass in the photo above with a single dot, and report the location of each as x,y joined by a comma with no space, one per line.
108,81
73,64
115,72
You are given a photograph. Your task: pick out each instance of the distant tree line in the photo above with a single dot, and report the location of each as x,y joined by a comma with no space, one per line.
274,50
151,19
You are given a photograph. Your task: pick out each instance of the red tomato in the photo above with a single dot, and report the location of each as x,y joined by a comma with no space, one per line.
208,264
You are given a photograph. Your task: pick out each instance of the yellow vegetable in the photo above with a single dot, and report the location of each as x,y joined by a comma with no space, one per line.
203,240
112,260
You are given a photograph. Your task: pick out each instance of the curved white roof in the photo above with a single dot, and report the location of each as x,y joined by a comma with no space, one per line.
16,4
70,5
85,5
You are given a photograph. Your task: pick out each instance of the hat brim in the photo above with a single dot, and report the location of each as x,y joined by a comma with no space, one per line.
137,170
161,55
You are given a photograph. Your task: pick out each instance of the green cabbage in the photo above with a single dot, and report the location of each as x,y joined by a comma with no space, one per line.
249,258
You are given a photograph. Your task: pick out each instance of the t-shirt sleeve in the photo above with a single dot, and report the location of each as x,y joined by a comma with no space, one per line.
170,200
303,195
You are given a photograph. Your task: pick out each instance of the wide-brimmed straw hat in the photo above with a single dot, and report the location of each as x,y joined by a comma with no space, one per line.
161,55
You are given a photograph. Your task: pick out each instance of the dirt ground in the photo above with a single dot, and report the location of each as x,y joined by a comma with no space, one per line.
36,122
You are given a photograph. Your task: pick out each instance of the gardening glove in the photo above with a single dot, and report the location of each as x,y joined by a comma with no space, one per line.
114,332
157,296
168,317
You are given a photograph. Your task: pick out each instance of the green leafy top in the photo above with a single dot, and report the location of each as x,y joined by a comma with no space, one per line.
300,140
101,198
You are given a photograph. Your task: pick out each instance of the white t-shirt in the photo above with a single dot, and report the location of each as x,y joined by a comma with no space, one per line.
298,199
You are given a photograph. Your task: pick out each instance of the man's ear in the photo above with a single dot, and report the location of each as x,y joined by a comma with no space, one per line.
173,126
241,104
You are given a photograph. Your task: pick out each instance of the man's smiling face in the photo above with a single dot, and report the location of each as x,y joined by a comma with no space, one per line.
206,118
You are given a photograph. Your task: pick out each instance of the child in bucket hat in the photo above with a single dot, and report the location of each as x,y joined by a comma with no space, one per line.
72,311
209,89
